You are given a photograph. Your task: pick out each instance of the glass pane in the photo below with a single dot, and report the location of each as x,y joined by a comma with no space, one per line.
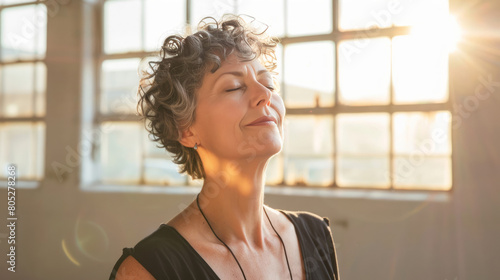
213,8
363,171
409,12
422,172
310,171
119,86
40,88
163,18
151,149
308,17
8,2
23,32
162,172
309,74
279,62
420,70
40,150
308,135
18,86
363,134
22,144
274,173
422,133
122,26
363,14
121,152
365,71
270,13
158,166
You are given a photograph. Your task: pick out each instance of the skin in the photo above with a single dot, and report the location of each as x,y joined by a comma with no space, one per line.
235,157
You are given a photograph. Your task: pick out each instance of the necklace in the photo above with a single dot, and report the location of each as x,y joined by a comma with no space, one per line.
197,202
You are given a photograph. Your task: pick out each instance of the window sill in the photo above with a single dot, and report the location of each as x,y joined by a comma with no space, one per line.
394,195
21,184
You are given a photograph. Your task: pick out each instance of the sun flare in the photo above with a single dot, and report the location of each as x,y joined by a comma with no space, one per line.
443,31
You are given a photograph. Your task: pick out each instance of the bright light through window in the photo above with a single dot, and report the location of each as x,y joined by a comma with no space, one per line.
444,32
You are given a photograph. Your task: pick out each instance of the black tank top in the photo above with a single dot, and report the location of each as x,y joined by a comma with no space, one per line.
167,255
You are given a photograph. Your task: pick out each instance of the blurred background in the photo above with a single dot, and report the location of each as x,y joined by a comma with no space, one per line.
392,131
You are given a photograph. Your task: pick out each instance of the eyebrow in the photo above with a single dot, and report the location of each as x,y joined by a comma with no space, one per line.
240,74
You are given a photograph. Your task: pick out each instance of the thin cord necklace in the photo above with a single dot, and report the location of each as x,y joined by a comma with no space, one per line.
197,202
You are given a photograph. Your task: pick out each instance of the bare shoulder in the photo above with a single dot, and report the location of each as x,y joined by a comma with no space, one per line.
188,220
280,221
131,269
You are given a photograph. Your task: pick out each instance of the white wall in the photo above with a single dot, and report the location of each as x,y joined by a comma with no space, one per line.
451,238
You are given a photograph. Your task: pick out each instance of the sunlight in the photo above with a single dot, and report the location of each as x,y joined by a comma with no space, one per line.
443,31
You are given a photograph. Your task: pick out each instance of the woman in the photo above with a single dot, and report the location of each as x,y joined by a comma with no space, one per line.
211,101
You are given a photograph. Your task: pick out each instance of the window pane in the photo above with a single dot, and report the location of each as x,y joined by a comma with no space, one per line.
308,135
363,134
420,70
308,150
310,171
119,86
279,62
364,14
121,152
363,150
274,172
268,12
162,172
411,11
213,8
308,17
365,71
422,172
40,88
8,2
363,171
158,166
23,144
122,26
309,74
163,18
23,32
422,133
18,86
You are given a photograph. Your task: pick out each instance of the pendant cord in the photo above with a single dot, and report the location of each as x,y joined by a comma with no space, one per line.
284,248
286,256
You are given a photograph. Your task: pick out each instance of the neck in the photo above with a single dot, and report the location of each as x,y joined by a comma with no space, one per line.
232,200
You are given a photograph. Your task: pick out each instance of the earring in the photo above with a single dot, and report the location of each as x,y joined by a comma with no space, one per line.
195,146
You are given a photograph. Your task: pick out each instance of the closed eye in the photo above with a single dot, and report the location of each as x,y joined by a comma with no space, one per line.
233,89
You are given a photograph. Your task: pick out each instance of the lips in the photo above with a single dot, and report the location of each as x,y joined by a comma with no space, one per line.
265,120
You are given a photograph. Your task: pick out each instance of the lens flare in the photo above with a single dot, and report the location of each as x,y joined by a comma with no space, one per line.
66,251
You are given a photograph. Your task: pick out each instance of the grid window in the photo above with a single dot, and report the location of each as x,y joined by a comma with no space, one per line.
365,84
23,76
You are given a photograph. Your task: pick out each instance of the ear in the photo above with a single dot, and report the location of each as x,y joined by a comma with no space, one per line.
188,138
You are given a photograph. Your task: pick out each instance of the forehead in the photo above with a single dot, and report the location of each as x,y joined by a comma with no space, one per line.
234,63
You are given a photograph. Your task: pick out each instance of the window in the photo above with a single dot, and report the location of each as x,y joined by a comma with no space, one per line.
365,81
23,26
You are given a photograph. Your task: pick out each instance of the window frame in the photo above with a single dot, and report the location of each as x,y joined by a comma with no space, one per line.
336,36
33,119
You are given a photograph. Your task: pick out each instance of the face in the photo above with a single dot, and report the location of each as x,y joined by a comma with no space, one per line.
239,115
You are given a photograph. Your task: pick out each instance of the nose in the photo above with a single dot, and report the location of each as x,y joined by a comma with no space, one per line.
262,95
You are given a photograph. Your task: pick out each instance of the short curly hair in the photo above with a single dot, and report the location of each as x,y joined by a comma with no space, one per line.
167,91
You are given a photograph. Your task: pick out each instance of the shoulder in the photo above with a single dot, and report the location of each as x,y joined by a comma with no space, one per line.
307,219
165,242
131,269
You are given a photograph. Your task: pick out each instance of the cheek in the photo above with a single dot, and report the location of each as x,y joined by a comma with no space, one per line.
221,118
278,105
